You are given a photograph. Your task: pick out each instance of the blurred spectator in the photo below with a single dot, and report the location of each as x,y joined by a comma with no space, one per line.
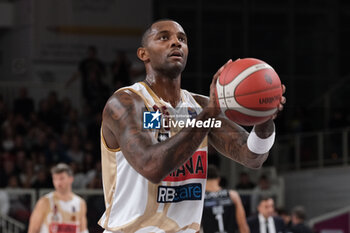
75,152
3,110
91,70
244,182
94,177
287,219
265,221
8,141
80,180
23,105
120,69
264,187
8,168
54,113
298,220
27,175
42,179
54,153
18,207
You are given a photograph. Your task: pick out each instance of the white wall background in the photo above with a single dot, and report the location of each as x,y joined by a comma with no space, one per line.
319,191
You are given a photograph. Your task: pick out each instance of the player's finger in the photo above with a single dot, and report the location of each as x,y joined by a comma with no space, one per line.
283,89
283,100
217,74
280,107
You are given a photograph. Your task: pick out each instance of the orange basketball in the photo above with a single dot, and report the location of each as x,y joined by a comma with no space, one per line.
248,91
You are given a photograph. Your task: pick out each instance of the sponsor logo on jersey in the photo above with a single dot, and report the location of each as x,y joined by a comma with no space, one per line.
162,136
186,192
151,120
194,168
62,228
191,112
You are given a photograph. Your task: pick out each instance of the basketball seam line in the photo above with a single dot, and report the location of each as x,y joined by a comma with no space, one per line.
255,92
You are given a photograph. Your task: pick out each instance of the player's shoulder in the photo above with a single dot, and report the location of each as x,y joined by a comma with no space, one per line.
234,195
43,202
79,198
121,101
202,100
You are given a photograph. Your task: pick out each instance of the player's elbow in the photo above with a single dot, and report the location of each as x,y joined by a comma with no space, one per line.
254,165
155,180
153,176
152,172
255,162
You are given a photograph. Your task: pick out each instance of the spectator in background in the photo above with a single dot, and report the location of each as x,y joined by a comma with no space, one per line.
91,71
244,182
23,105
298,221
287,219
75,152
263,188
3,110
18,207
265,221
121,70
54,153
42,179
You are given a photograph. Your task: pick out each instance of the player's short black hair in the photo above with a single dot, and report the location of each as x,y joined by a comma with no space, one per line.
213,172
148,30
61,167
299,212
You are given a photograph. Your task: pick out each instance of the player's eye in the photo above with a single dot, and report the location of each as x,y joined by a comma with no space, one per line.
164,37
182,39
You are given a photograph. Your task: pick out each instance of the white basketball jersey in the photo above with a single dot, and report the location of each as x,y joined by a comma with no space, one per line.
62,216
133,204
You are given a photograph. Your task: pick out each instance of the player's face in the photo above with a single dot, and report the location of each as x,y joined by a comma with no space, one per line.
62,182
167,47
267,208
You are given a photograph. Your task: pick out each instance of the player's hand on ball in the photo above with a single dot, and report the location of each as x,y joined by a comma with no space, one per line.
282,102
213,105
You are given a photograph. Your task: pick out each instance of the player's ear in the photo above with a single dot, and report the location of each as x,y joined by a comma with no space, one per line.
142,54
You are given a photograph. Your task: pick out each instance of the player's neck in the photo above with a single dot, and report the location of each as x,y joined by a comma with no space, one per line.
165,88
64,196
212,186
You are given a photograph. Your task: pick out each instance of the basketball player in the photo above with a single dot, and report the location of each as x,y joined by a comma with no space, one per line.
223,209
60,211
154,179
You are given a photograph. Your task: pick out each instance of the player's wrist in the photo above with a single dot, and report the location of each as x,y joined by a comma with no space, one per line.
260,145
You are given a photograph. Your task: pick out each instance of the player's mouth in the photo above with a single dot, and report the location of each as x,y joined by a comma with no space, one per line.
176,54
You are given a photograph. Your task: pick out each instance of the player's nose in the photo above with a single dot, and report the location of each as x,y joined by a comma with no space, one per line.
175,42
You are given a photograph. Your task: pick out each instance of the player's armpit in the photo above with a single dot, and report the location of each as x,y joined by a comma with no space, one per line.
37,216
122,127
231,140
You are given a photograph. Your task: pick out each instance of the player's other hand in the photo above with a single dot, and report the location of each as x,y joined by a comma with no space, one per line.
213,106
281,104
